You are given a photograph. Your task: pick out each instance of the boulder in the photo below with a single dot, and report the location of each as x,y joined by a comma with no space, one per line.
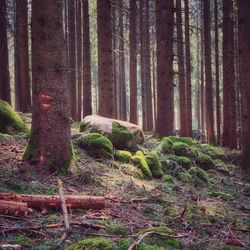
122,134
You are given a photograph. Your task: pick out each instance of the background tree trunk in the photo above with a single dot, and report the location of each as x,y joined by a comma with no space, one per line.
4,59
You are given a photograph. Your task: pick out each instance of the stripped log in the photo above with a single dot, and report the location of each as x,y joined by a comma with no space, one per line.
13,208
53,201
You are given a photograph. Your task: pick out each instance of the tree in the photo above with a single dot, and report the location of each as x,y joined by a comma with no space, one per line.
244,53
72,58
4,59
49,144
208,73
188,70
164,37
105,64
181,71
86,63
133,61
22,78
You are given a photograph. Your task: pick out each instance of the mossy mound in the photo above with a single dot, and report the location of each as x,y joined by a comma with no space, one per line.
10,122
199,175
150,247
187,140
123,156
154,164
214,152
96,145
132,170
140,161
181,149
165,146
184,177
204,161
93,244
167,178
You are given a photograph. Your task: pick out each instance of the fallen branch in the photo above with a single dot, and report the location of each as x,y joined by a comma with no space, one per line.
13,208
53,201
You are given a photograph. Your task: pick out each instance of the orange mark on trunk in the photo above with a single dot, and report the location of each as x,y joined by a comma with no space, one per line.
45,106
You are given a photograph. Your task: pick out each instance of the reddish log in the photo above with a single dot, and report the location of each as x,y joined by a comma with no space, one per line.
13,208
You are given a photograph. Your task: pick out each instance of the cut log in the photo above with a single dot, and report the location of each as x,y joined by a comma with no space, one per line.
53,201
13,208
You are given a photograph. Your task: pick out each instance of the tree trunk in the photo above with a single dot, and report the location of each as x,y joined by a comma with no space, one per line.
4,59
188,70
122,83
72,58
208,74
105,65
181,71
133,61
22,85
217,72
79,58
49,145
87,93
244,52
164,36
202,86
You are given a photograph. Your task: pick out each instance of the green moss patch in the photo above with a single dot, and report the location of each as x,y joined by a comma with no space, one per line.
204,161
222,195
160,229
197,172
154,164
181,148
166,145
184,177
93,244
10,121
130,169
96,145
167,178
123,156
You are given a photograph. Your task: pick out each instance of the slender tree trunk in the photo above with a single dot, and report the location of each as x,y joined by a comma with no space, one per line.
50,115
244,52
133,61
164,36
72,58
202,86
188,70
198,101
4,60
86,63
154,84
105,65
181,71
79,58
217,72
208,74
122,87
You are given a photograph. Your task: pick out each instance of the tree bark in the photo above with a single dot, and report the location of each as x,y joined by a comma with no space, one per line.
164,36
181,71
87,93
105,64
208,74
133,61
49,145
244,53
4,59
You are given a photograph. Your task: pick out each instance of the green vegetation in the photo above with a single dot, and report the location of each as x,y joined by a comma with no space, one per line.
184,177
167,178
154,164
93,244
222,195
198,173
166,145
117,229
131,170
160,229
123,156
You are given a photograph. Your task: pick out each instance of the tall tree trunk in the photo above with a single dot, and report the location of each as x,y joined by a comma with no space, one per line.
181,71
202,86
164,36
188,70
79,58
105,65
50,115
229,104
217,72
208,74
198,100
145,67
86,63
133,61
22,92
122,83
244,52
72,58
4,59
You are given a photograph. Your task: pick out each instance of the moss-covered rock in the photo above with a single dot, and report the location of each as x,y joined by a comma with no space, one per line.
166,145
130,169
123,156
10,122
93,244
197,172
187,140
123,244
96,145
167,178
181,148
154,164
140,161
204,161
214,152
184,162
184,177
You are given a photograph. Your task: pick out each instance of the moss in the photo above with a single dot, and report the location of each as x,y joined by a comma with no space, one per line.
184,177
121,137
96,145
204,161
184,161
84,126
31,152
123,244
198,173
187,140
123,156
10,121
222,195
219,164
167,178
140,161
117,229
171,211
132,170
181,148
93,244
166,145
149,247
214,152
160,229
23,241
154,164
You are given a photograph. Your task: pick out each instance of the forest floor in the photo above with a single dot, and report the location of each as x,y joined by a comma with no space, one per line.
198,220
